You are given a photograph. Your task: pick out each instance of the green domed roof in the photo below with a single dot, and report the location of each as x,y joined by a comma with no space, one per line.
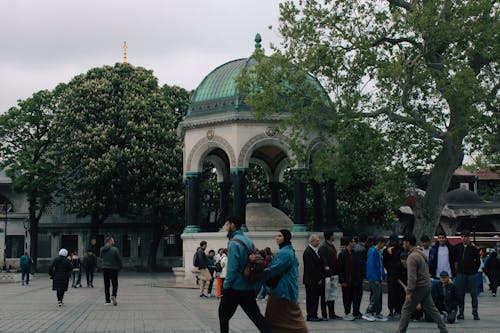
217,92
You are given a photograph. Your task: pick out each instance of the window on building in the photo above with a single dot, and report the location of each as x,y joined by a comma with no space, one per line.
15,246
44,246
126,240
172,245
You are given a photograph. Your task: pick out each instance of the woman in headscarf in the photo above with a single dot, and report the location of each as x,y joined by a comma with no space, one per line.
59,271
283,312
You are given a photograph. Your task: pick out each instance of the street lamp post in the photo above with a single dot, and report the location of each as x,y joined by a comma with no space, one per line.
26,224
6,208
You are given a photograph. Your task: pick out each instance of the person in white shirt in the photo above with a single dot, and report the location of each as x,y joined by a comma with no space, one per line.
442,257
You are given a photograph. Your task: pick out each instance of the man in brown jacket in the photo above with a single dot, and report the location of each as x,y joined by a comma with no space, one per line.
418,290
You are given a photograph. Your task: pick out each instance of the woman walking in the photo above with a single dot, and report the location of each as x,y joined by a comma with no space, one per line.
59,271
283,312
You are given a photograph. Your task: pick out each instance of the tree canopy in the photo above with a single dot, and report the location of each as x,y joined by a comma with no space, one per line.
423,73
118,147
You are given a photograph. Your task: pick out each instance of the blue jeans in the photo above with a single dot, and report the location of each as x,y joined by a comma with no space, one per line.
465,283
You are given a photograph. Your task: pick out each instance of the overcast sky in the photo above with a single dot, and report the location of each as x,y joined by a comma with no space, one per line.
45,42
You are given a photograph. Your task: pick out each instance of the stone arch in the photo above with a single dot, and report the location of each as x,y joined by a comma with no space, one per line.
264,166
200,150
222,170
315,144
261,140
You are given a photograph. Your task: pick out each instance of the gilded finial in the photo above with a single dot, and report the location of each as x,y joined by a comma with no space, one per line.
258,39
124,52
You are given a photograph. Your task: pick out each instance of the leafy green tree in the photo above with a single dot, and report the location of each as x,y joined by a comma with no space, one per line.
424,73
177,99
26,151
119,149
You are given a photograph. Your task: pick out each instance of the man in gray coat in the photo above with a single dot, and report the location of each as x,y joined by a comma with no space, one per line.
418,290
111,263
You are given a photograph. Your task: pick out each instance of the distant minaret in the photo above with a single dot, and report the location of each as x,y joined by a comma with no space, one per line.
124,52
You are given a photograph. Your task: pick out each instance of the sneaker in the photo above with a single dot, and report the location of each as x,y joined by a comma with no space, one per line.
397,316
460,316
107,303
380,317
494,294
59,304
368,316
476,316
203,295
358,316
334,316
113,299
348,317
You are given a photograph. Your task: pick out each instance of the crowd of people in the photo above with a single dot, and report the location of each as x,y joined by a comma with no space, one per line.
424,281
66,267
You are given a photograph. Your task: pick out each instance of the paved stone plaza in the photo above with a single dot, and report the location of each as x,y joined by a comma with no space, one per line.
152,303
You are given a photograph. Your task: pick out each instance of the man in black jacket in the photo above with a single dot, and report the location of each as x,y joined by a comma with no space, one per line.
467,263
444,295
442,257
313,277
350,277
392,264
328,254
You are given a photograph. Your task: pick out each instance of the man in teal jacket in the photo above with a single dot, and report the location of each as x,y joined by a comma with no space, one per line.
236,291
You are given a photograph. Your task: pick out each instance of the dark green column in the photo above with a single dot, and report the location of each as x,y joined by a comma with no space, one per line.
275,194
331,206
240,194
223,201
317,190
192,201
299,195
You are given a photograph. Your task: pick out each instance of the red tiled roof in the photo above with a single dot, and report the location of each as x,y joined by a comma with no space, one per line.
487,174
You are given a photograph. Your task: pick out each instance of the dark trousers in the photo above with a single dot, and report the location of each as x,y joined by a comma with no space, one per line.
465,283
60,295
210,286
395,296
421,295
90,276
352,296
375,306
313,292
25,273
246,299
110,275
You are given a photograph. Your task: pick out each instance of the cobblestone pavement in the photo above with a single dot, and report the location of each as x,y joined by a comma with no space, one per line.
149,303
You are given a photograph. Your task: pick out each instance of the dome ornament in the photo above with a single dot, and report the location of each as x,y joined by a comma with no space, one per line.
258,39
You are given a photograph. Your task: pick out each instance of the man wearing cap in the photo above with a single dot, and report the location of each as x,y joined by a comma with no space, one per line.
418,290
444,295
467,262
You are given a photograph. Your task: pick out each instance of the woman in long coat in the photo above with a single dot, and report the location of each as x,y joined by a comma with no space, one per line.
59,271
283,312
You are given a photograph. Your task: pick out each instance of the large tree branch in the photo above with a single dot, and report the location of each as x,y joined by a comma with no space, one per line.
416,121
395,41
402,4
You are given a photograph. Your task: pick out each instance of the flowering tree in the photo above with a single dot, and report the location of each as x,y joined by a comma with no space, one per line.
119,149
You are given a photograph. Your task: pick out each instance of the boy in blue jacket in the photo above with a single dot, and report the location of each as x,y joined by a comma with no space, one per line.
375,275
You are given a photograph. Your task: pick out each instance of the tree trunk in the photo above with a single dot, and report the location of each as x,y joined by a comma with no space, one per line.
157,234
427,210
33,231
95,223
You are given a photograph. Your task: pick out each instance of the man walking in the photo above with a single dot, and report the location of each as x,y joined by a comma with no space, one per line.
350,277
328,255
90,264
111,264
375,275
418,290
236,290
25,263
467,263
